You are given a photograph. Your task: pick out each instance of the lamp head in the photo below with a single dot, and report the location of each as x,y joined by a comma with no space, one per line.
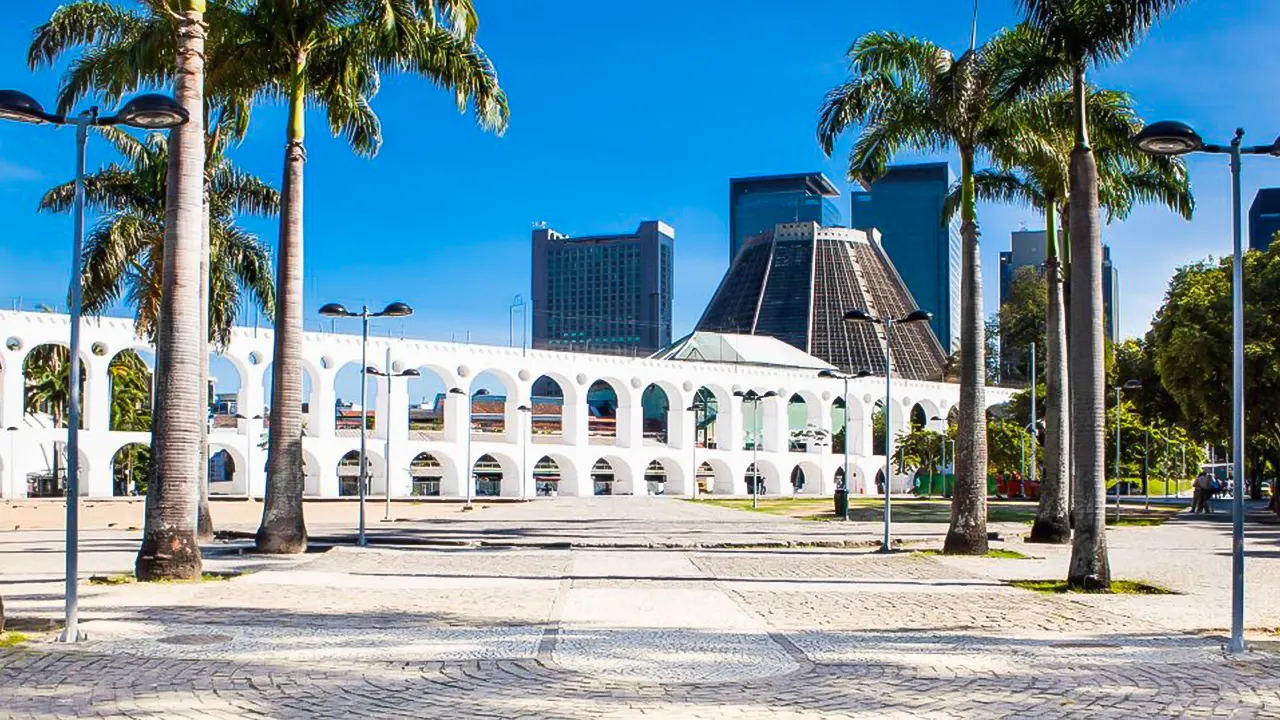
829,374
480,393
457,391
21,107
863,373
770,394
1168,137
917,316
396,309
152,111
859,315
1132,385
370,369
411,372
335,310
525,408
691,408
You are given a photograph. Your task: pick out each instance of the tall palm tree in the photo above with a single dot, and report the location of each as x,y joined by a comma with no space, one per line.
1080,35
908,93
331,54
1036,174
124,253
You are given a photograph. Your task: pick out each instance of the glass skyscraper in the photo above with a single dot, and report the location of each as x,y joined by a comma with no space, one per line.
603,293
757,204
906,207
1264,218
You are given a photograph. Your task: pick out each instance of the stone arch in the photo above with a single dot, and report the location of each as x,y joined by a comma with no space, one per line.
610,475
495,475
46,469
310,392
717,477
129,380
227,468
807,478
348,471
428,402
427,473
494,399
568,481
45,374
547,397
656,407
130,469
879,428
805,425
713,405
604,410
312,479
227,385
346,391
666,476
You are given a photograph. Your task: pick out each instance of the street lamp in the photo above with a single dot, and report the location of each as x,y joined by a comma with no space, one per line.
1129,385
12,465
470,476
1177,138
525,475
410,373
335,310
751,397
858,315
147,112
248,452
693,446
846,377
945,440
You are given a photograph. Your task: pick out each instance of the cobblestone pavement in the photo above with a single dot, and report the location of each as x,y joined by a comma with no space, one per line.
590,633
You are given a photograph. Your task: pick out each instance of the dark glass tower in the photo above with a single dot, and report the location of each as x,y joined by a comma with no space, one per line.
905,205
1264,218
795,283
756,204
604,293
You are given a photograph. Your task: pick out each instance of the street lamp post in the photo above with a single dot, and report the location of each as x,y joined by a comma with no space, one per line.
847,483
526,475
693,446
12,465
248,452
1129,385
147,112
470,474
1176,138
753,398
334,310
858,315
1030,474
410,373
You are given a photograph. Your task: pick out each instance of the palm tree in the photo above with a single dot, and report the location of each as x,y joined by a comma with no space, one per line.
908,93
1079,35
331,54
124,253
1036,174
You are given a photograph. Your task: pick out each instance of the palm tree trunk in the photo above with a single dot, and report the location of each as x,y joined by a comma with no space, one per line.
1090,568
204,519
1052,524
968,531
169,547
283,529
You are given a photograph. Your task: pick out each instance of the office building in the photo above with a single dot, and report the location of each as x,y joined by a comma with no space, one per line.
796,281
1027,249
603,293
757,204
1264,218
905,205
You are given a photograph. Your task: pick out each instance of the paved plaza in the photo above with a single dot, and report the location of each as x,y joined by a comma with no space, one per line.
628,607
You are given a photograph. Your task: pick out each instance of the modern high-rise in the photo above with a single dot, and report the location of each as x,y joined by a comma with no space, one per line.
1027,249
757,204
1264,218
603,293
795,283
906,205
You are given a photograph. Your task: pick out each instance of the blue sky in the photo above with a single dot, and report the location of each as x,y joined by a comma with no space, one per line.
630,111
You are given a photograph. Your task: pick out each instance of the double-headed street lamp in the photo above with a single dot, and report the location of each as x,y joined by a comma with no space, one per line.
1129,385
846,377
753,398
1176,138
335,310
693,451
146,112
858,315
526,475
410,373
248,452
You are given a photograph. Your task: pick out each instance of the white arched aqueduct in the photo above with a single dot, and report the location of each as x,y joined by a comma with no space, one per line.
562,448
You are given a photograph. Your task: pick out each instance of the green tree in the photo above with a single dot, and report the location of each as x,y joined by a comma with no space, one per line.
1077,35
1022,322
1190,341
1007,439
918,449
130,393
907,93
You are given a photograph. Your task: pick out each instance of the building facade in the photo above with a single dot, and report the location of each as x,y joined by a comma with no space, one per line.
1264,218
906,206
604,293
796,281
1110,296
560,447
757,204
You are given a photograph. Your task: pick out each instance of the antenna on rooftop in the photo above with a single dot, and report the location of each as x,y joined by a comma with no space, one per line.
539,224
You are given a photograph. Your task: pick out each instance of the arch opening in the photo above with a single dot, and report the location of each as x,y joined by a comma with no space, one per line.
602,413
656,409
603,478
546,477
130,470
46,373
130,377
706,406
426,474
547,400
428,402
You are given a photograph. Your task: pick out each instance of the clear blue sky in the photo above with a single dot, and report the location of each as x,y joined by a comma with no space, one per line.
629,111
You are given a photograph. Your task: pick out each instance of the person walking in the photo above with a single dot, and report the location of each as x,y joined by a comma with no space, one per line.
1203,486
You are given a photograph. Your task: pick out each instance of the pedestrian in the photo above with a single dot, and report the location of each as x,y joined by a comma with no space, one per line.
1199,488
